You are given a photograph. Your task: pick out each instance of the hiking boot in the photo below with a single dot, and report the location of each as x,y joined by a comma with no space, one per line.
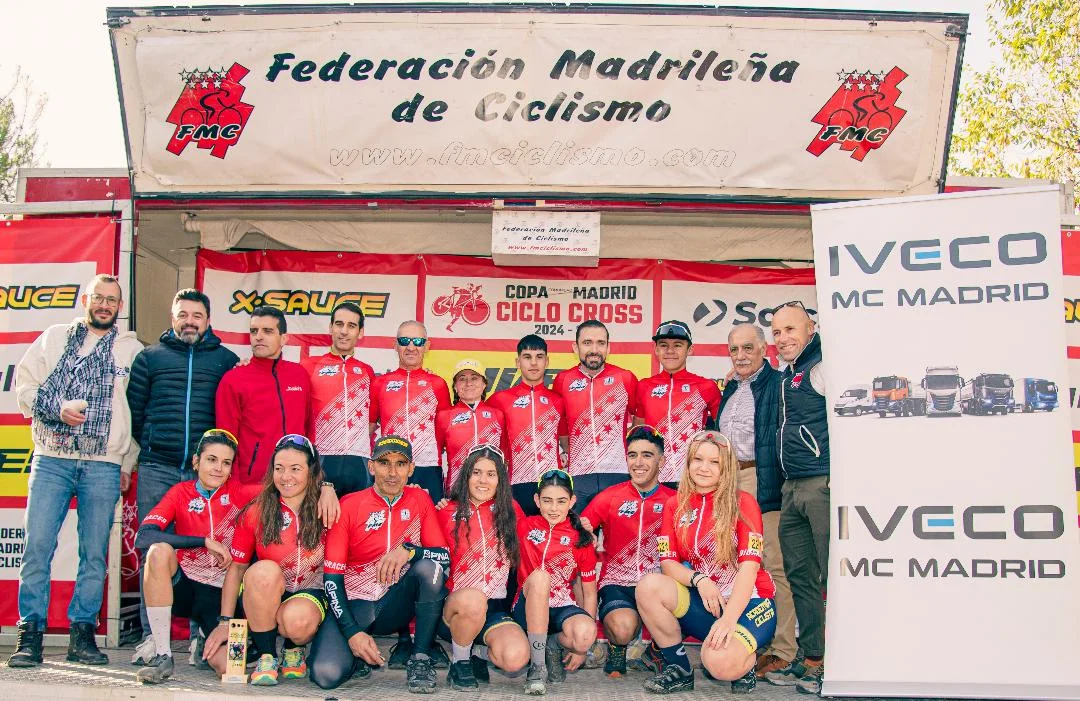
596,656
788,674
144,652
420,674
615,666
438,656
810,683
652,659
461,677
28,644
554,660
480,669
744,684
158,670
265,672
82,647
769,663
400,652
535,680
672,679
293,663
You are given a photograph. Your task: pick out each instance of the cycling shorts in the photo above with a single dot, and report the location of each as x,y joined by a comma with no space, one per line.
615,596
754,629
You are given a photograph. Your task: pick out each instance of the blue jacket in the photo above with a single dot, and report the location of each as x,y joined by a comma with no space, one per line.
803,436
766,391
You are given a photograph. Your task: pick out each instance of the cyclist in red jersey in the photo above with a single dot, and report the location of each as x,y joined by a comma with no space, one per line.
404,403
676,401
386,561
629,514
282,591
185,569
480,524
469,422
341,403
600,400
555,550
534,422
724,597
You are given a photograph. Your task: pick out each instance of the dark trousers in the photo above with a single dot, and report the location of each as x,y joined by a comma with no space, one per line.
804,542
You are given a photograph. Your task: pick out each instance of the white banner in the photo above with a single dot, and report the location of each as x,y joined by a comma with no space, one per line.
954,550
796,103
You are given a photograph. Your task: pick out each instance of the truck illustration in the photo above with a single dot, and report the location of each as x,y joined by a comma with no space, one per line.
991,393
945,390
896,395
855,401
1039,394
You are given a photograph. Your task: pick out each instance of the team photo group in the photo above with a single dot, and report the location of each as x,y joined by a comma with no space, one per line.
603,521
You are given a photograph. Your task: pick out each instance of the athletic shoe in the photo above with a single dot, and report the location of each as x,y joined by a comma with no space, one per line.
480,669
361,669
672,679
615,666
652,660
554,659
293,664
595,656
144,652
634,651
787,675
400,652
158,670
266,671
534,680
810,683
769,663
420,674
460,677
195,656
438,656
744,684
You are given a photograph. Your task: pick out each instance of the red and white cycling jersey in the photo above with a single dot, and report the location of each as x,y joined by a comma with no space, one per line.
534,422
691,540
459,429
598,411
476,558
195,515
554,548
631,524
404,403
678,406
369,528
302,568
340,404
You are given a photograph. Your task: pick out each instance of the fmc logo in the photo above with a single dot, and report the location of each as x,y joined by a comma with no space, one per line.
963,253
210,111
309,302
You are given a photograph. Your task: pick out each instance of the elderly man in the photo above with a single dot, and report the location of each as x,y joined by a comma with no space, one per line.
748,416
803,444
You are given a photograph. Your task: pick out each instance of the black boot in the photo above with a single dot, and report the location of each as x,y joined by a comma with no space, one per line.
82,647
27,645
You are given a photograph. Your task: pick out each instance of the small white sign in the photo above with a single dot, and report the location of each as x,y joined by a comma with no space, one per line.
545,238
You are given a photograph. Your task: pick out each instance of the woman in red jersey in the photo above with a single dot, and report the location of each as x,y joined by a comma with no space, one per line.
469,422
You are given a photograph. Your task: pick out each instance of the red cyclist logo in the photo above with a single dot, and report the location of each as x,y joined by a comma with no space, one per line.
209,111
465,303
861,114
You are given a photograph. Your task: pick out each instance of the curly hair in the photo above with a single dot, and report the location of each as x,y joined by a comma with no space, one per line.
505,519
268,502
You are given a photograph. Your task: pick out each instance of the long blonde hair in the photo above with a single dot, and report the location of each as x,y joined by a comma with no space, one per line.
725,495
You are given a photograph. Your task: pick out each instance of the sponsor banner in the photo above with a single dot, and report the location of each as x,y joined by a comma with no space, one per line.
62,577
929,507
545,238
10,355
504,100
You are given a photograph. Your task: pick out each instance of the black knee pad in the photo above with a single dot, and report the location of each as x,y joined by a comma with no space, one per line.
430,577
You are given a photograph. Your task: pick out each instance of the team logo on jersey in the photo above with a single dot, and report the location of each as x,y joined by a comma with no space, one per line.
286,520
375,521
688,518
609,380
357,371
564,540
523,401
659,391
543,399
796,380
658,508
536,536
405,514
196,505
628,508
394,385
578,385
224,499
686,388
461,418
421,383
485,414
328,371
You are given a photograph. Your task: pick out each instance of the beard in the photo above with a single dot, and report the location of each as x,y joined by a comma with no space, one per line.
593,362
189,335
92,321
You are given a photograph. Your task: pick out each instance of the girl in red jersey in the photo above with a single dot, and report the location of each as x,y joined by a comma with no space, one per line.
282,591
555,549
480,525
724,597
469,422
185,569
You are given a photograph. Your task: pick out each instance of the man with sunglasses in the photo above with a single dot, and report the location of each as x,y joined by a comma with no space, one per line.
803,446
676,401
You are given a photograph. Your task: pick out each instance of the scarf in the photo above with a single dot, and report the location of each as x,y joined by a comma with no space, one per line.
90,378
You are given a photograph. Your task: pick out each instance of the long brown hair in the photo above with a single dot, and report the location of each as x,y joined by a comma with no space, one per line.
268,502
725,496
505,520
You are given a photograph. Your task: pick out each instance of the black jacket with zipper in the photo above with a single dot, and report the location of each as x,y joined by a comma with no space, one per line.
803,436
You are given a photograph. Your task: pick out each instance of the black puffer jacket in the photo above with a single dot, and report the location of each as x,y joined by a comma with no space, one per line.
766,391
171,395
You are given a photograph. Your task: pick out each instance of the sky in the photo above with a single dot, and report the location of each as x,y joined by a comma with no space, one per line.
63,46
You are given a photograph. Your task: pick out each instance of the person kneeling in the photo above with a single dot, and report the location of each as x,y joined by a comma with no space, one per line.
724,598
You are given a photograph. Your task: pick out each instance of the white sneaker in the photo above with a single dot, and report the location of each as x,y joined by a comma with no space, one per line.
144,652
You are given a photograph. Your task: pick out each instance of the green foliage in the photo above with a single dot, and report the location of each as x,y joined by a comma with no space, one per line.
20,109
1021,117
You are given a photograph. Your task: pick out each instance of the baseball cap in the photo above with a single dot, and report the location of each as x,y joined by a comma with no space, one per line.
392,444
673,329
470,364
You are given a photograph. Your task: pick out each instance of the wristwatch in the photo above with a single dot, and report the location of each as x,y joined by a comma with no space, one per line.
224,619
327,484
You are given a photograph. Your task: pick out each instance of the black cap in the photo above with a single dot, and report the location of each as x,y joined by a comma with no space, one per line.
673,329
392,444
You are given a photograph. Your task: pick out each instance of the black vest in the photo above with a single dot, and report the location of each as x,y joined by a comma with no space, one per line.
803,438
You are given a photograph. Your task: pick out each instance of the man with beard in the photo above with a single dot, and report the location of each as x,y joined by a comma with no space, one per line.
171,395
72,382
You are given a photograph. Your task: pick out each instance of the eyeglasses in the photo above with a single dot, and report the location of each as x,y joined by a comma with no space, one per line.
553,473
711,437
216,432
642,431
295,439
487,446
404,341
107,301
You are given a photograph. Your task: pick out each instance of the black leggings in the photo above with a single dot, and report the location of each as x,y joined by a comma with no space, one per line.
419,593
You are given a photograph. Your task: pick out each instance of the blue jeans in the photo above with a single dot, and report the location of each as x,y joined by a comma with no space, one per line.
53,483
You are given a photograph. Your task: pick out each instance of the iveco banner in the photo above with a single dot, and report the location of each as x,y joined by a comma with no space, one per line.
954,554
534,99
